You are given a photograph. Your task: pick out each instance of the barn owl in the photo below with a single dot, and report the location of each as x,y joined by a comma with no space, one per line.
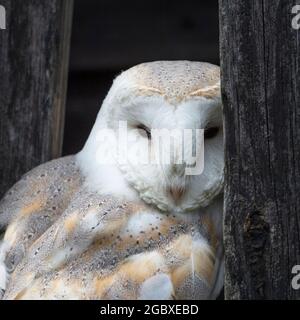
77,228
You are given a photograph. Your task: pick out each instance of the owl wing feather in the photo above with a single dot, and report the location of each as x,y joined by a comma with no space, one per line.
102,248
32,205
74,243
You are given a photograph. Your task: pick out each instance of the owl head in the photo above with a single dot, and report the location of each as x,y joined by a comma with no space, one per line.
154,109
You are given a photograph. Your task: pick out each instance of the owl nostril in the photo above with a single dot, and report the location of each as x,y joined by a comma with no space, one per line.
176,193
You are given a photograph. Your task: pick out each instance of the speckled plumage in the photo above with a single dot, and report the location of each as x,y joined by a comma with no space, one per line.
175,81
68,238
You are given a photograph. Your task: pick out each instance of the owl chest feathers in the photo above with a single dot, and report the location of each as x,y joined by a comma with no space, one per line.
114,248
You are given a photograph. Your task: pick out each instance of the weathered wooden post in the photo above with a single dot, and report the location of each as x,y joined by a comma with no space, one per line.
34,50
260,61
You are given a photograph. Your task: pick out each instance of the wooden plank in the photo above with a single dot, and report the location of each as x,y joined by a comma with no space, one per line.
260,64
34,51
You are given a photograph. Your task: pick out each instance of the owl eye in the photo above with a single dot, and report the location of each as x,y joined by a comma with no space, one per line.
210,132
146,132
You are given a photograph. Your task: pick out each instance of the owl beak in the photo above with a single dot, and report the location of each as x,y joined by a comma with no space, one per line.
176,193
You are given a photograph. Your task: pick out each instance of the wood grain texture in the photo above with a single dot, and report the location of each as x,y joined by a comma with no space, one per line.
34,51
260,61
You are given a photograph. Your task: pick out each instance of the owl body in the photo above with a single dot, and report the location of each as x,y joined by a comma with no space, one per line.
76,228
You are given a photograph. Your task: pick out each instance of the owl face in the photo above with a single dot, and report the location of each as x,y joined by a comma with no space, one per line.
163,105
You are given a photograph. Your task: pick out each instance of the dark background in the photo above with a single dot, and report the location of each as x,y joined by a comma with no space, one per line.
110,36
